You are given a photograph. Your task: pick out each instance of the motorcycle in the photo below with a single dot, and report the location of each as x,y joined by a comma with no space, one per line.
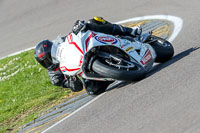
103,57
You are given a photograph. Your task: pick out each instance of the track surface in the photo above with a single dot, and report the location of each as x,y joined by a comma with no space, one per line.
168,101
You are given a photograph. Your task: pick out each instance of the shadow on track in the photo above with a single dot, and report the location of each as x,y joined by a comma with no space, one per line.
176,58
156,68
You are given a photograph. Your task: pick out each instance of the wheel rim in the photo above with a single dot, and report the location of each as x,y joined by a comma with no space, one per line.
120,63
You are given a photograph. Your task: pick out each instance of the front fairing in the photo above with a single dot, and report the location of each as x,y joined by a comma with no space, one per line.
54,49
138,51
70,55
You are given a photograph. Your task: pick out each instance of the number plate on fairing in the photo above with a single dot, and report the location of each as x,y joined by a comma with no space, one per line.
147,58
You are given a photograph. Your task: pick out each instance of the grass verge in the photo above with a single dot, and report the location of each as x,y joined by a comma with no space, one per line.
25,91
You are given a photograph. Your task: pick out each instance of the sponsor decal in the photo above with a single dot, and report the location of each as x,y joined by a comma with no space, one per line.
128,49
63,69
147,58
125,44
131,52
106,39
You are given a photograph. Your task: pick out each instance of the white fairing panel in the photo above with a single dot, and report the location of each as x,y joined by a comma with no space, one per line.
71,52
70,56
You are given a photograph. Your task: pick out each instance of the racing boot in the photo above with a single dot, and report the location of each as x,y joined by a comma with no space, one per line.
94,88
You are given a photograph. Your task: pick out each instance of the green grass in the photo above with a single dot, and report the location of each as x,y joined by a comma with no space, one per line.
25,90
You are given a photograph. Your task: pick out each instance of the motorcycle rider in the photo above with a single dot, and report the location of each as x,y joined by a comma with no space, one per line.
97,24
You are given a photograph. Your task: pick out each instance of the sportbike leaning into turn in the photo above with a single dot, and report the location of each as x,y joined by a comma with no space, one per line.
101,52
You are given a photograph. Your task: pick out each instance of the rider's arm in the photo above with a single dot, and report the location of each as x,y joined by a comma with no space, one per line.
109,28
57,78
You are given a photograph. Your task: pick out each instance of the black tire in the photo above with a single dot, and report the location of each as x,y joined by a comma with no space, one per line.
108,71
163,49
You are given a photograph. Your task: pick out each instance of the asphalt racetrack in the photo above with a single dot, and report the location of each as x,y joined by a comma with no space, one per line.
167,101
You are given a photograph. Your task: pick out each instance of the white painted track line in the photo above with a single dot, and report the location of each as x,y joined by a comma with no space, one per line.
178,22
17,52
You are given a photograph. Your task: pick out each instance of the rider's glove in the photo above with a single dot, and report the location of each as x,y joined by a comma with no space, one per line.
74,83
137,30
78,26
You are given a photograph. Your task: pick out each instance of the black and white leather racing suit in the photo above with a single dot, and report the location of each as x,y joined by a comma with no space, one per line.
74,83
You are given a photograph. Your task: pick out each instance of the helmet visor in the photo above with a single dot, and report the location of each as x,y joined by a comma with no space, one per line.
46,62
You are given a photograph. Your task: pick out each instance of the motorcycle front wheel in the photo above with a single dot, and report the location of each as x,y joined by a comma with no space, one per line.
106,70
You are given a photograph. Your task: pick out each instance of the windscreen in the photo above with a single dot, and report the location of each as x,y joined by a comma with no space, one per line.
56,44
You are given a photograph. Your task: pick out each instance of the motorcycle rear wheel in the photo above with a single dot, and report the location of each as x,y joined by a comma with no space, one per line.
163,49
